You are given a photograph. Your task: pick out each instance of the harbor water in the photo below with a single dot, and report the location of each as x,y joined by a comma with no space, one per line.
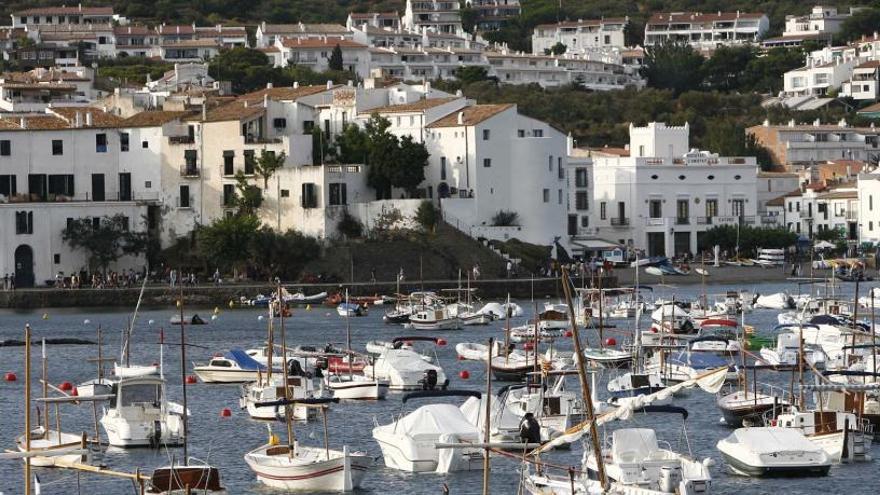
222,441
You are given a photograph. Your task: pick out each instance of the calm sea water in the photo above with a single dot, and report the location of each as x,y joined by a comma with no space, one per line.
223,441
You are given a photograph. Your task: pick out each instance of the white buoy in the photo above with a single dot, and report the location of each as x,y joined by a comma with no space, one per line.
213,317
260,318
86,321
150,322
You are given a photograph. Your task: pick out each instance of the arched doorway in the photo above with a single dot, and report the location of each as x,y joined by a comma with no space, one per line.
24,266
443,190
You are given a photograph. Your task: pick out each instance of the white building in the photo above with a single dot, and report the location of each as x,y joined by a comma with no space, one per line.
66,164
662,196
379,20
825,70
580,36
65,16
268,34
868,196
820,25
816,209
795,144
315,54
493,14
706,31
554,71
864,84
439,16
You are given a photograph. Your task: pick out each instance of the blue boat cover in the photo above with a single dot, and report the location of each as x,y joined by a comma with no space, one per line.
699,360
244,361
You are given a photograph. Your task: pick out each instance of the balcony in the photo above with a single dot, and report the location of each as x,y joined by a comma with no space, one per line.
620,222
189,171
260,140
682,221
655,222
181,140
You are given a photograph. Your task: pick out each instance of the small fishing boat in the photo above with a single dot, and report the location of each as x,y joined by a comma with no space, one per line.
635,384
133,371
406,369
356,387
748,406
308,469
235,367
769,451
348,309
141,416
193,320
608,357
434,318
377,346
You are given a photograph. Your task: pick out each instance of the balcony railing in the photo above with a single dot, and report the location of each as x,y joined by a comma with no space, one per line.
181,140
682,221
109,196
655,222
189,171
619,222
260,140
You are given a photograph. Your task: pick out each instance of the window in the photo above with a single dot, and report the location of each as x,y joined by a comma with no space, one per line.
682,211
712,208
871,226
560,172
145,144
279,123
7,185
5,147
100,143
309,195
546,195
580,177
61,185
487,162
521,133
228,195
338,194
797,207
581,201
739,207
550,163
559,196
308,126
57,147
538,132
249,162
56,258
485,134
655,208
124,186
602,212
148,184
285,193
585,221
123,141
442,168
98,187
229,162
24,222
870,202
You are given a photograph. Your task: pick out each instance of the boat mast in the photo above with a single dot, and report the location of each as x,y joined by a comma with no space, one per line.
348,339
27,409
601,320
185,415
507,313
487,419
800,366
271,343
126,348
582,376
638,335
873,336
45,390
290,435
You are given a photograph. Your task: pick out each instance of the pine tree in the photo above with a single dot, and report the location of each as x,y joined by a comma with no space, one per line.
335,62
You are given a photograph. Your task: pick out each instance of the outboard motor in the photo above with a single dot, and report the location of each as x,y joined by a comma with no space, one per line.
429,381
295,368
670,477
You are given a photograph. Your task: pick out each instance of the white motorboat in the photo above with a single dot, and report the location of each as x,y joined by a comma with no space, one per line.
308,469
632,384
95,386
499,311
777,301
671,318
843,436
377,346
346,309
526,333
141,416
131,371
472,351
788,346
468,315
748,406
409,443
770,451
635,463
608,357
53,443
434,318
300,385
405,369
355,387
235,367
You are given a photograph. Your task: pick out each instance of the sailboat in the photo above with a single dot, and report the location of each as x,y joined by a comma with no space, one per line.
100,385
191,475
126,369
300,467
345,384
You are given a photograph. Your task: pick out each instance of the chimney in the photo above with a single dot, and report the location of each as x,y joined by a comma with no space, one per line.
295,84
88,119
204,111
23,123
349,83
265,101
329,84
269,85
460,118
77,120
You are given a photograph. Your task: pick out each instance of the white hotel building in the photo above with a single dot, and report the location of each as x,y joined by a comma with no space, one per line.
706,31
581,35
664,195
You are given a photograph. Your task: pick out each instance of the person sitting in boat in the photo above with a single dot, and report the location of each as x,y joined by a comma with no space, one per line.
529,429
197,320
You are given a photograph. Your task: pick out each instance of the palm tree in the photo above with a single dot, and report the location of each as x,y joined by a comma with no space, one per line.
267,164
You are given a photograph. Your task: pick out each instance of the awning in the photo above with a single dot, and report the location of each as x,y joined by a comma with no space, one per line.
595,244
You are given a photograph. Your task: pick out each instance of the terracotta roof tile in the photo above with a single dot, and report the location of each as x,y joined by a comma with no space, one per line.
236,110
472,115
305,29
66,11
416,106
181,29
685,17
153,118
100,118
199,43
320,43
284,93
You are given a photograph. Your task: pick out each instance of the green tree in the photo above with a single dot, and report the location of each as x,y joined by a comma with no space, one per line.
557,49
381,149
468,19
267,164
470,74
674,66
726,68
862,23
349,226
352,145
225,241
283,255
335,62
104,241
410,160
248,197
246,68
427,216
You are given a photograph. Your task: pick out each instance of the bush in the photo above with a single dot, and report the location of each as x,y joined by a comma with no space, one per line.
750,238
349,226
427,216
505,218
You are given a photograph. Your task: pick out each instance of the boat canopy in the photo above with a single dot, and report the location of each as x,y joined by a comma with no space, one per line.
244,361
433,420
416,338
440,393
698,360
664,409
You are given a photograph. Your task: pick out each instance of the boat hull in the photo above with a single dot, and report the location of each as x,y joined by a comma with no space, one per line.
359,390
225,376
343,472
775,471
